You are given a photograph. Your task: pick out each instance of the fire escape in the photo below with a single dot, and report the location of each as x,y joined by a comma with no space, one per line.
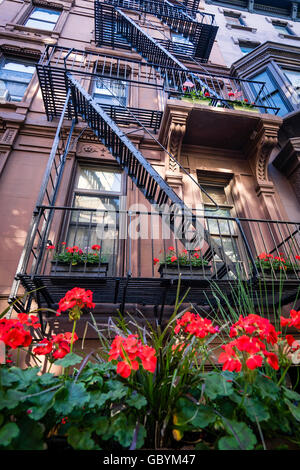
65,77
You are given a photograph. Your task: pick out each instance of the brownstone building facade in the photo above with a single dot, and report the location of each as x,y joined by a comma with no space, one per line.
110,109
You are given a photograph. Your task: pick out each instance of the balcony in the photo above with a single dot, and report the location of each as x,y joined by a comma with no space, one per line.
88,68
220,111
115,29
114,252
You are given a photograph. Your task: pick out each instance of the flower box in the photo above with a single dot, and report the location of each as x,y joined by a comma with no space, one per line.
65,269
204,102
268,274
168,271
246,108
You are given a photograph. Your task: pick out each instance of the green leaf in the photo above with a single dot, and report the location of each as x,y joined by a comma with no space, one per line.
137,400
216,385
101,425
190,415
291,394
7,433
21,378
241,437
295,410
253,407
31,436
70,359
81,439
10,399
141,435
266,387
72,395
40,405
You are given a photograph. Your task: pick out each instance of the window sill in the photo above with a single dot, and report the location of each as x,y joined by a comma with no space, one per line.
241,27
34,31
289,36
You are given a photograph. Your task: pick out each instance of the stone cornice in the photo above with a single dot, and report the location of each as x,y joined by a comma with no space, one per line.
265,53
288,159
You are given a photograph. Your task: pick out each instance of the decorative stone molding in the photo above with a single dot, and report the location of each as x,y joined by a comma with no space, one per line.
177,129
288,162
6,143
263,141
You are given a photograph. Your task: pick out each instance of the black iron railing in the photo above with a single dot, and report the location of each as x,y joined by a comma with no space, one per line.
92,69
114,28
164,81
104,242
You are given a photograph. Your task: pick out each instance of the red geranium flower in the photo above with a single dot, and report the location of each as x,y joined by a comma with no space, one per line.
96,247
44,347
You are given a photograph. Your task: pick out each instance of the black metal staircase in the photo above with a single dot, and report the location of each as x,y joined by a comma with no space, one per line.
201,33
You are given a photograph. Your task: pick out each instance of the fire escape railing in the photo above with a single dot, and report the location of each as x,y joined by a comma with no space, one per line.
110,19
109,24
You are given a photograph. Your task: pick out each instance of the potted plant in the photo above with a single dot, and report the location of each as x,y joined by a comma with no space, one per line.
271,266
241,103
73,260
189,264
195,96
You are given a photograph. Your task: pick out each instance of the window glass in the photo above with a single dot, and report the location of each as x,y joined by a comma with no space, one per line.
43,18
246,48
15,76
110,91
233,19
99,180
180,39
283,29
294,78
271,95
98,190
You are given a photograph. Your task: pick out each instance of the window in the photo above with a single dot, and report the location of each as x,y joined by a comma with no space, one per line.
222,231
43,18
234,19
247,47
110,91
180,39
15,76
99,190
282,28
293,77
271,95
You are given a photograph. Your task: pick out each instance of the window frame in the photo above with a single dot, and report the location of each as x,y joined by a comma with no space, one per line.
31,11
288,31
278,83
74,190
25,61
229,14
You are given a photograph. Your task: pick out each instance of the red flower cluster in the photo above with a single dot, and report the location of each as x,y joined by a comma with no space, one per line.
129,350
96,247
254,324
195,325
59,346
13,332
74,249
269,257
249,348
294,320
76,297
253,351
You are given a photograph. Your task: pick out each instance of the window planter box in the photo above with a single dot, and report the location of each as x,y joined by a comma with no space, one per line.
267,274
92,270
172,271
203,102
245,108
